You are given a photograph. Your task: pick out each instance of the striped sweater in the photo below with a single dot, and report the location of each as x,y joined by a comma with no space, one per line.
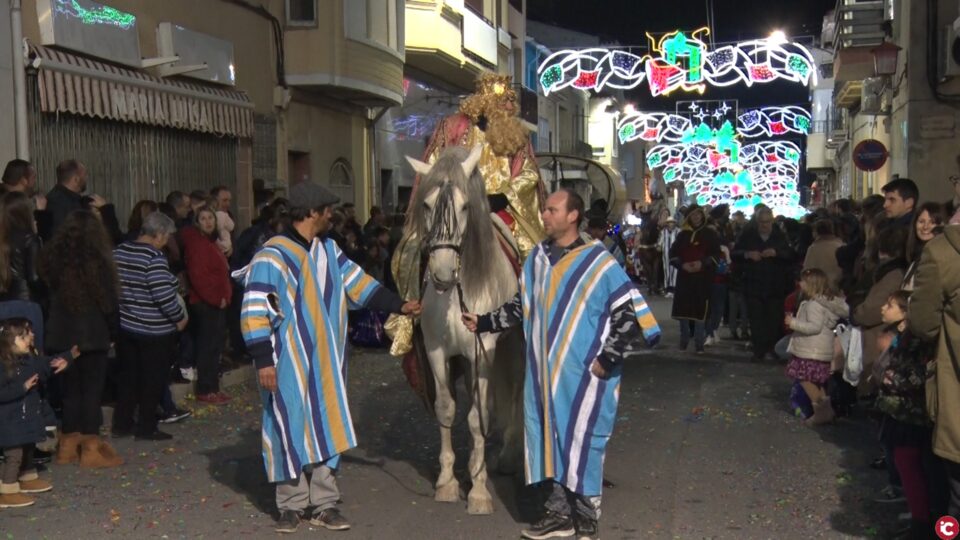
148,291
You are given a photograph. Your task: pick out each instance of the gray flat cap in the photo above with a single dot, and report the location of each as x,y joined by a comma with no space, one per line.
309,196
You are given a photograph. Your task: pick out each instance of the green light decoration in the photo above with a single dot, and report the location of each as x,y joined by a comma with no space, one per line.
798,65
679,46
723,139
551,76
97,15
793,155
802,123
654,160
670,175
627,132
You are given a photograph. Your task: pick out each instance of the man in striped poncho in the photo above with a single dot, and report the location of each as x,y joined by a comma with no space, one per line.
294,320
582,318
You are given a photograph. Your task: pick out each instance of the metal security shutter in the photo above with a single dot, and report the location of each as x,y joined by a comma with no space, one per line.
127,162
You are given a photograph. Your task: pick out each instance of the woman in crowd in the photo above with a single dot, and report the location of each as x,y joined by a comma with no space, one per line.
78,267
693,254
141,210
210,293
21,251
928,222
822,253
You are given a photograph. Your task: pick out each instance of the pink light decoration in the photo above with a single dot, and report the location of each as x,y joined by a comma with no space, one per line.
587,79
659,75
717,159
777,128
673,161
761,72
772,158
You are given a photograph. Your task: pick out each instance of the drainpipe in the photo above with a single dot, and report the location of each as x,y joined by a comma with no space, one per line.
19,82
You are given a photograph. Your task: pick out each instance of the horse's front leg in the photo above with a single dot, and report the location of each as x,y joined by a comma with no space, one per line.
479,500
447,487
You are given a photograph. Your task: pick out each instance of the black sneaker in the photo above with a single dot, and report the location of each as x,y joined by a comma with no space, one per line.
157,435
587,529
289,522
39,456
552,525
330,519
175,416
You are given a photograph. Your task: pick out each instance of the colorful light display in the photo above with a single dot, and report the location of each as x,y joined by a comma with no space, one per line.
752,124
98,15
678,61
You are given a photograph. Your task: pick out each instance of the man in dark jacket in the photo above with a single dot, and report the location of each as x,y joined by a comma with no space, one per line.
66,196
20,175
900,196
766,259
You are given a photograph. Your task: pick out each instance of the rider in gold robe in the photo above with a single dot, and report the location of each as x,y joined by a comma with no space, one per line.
488,118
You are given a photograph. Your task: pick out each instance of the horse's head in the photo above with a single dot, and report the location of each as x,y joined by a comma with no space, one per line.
443,204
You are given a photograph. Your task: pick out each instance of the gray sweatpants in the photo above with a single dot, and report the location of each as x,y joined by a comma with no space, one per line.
316,486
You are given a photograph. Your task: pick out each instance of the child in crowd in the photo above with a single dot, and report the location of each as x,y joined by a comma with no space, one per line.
811,345
905,427
21,411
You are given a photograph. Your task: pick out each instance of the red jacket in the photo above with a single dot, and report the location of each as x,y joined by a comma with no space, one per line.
206,267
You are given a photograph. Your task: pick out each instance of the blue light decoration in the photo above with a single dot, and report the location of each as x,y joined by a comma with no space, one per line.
678,61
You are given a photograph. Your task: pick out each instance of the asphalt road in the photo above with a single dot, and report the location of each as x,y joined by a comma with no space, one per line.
705,447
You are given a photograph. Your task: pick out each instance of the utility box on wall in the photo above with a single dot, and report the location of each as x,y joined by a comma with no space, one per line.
196,49
90,28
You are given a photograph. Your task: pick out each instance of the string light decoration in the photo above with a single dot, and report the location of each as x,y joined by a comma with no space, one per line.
96,15
752,124
678,61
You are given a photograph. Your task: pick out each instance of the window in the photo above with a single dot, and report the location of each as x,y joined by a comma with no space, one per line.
341,173
375,22
475,5
302,12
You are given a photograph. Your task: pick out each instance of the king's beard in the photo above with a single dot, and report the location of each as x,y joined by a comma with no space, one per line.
505,134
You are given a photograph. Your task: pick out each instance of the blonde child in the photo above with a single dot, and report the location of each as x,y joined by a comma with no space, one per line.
21,411
811,344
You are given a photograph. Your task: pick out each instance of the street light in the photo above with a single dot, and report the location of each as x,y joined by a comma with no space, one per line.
778,37
885,59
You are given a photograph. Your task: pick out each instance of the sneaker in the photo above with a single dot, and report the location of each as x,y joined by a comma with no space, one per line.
289,522
710,340
552,525
587,529
175,416
330,519
890,494
157,435
189,373
39,456
668,295
37,485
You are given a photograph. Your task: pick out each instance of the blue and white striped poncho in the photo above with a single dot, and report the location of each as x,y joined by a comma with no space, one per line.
568,412
307,421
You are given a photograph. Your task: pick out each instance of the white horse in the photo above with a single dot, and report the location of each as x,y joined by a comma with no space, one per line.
466,269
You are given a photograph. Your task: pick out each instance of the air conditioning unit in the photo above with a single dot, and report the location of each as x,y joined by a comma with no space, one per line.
950,50
872,96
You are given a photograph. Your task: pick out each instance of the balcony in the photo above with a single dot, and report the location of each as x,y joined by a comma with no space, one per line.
859,27
450,42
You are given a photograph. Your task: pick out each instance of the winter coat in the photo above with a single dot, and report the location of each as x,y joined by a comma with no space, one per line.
60,202
822,254
886,280
935,315
24,283
900,374
90,328
207,269
769,278
692,293
813,328
21,411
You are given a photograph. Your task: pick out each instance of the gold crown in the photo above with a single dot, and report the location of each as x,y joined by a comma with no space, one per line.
492,83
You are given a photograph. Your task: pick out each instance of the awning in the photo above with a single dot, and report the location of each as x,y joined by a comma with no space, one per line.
73,84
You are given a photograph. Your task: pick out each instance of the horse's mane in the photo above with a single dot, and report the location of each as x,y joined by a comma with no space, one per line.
477,246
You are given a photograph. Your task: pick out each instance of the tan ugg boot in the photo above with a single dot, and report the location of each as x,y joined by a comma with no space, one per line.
822,412
69,449
90,456
110,454
10,496
30,482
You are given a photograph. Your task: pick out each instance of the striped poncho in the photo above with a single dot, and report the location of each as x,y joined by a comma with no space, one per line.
297,302
568,412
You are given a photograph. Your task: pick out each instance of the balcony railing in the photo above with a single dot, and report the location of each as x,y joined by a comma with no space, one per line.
828,126
859,23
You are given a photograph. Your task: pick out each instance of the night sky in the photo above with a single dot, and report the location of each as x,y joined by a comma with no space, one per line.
625,22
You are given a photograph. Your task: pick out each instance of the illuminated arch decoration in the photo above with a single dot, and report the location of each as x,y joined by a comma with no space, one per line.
678,61
754,123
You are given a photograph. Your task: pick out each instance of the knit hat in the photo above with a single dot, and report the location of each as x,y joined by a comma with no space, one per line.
307,195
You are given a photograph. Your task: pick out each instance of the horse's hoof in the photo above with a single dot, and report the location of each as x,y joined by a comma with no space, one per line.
480,505
449,492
